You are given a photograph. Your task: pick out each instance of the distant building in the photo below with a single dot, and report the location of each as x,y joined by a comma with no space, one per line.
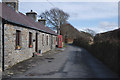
22,35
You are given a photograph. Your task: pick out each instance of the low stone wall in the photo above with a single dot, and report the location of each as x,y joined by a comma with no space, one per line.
13,56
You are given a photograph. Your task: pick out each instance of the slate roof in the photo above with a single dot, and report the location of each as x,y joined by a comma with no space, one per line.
10,15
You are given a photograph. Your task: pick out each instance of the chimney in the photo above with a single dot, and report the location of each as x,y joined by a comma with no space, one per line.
42,21
12,3
32,15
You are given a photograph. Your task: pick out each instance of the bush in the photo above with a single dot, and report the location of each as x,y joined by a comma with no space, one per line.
81,42
107,52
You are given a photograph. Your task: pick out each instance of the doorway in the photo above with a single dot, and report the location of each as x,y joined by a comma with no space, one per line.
51,42
36,43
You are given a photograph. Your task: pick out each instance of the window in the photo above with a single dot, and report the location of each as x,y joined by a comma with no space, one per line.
47,40
18,39
30,40
43,39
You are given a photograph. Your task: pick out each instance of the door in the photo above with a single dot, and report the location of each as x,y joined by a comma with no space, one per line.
36,43
51,42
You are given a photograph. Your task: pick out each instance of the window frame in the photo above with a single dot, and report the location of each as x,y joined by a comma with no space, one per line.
18,44
47,40
43,39
30,40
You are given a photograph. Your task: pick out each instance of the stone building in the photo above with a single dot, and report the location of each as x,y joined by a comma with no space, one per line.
22,35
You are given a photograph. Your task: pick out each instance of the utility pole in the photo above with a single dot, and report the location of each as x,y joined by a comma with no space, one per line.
58,30
58,27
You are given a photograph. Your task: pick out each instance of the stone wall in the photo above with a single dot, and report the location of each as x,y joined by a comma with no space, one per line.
13,56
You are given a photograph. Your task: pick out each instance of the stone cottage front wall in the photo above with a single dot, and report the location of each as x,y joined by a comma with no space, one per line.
54,42
13,56
44,47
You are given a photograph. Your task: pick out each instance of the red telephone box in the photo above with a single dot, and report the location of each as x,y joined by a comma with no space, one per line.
59,41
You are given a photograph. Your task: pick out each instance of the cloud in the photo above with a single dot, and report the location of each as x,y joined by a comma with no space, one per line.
81,12
77,10
107,24
92,11
96,29
101,27
69,0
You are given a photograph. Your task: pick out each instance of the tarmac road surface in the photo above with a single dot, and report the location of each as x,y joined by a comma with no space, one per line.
73,62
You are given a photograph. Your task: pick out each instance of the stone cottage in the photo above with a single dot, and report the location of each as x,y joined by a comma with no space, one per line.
22,35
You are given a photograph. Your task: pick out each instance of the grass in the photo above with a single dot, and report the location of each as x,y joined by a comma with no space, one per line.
64,45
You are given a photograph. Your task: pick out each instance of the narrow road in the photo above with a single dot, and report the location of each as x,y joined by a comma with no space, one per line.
74,62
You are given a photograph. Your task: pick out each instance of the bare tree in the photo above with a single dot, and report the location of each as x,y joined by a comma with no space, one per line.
55,18
90,31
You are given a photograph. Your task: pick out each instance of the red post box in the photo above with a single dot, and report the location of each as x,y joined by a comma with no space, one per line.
59,41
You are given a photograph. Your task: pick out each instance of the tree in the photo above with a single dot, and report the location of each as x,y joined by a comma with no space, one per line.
55,18
92,32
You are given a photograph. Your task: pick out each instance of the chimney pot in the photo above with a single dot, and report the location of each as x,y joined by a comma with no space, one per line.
42,21
32,15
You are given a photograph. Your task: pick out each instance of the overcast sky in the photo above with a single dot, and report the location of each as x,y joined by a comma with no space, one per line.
98,15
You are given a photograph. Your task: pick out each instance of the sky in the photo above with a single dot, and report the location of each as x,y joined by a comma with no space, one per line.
97,15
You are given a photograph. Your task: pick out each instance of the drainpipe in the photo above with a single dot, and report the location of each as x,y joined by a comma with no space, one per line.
3,68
